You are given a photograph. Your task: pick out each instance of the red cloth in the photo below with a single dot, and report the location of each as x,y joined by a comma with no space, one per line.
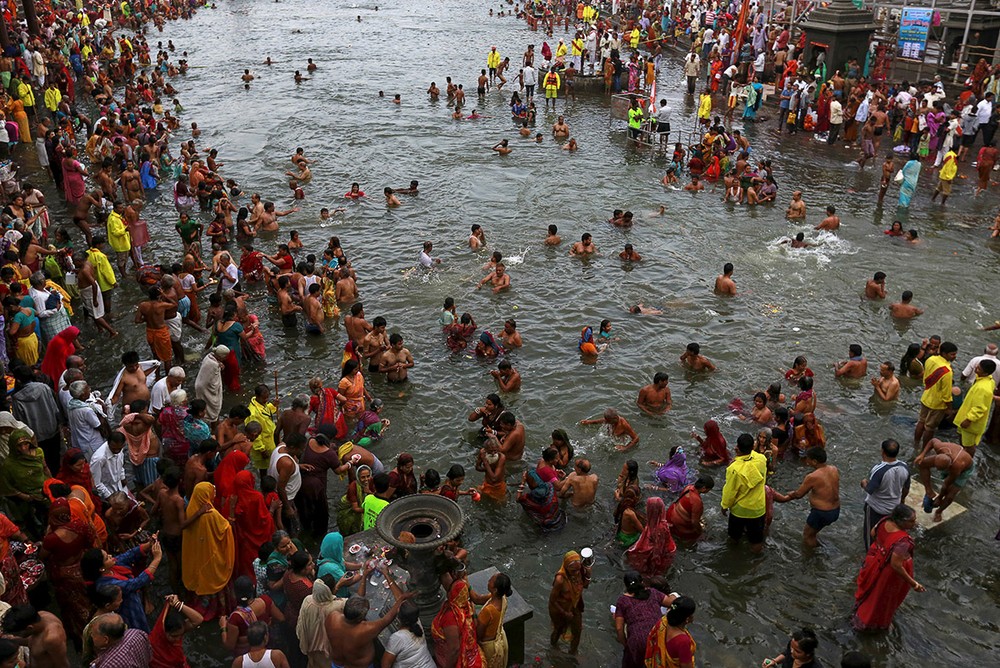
225,476
880,589
167,653
254,524
59,348
654,551
714,445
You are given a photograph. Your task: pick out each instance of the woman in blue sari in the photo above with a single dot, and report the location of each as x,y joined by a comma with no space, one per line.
911,174
754,98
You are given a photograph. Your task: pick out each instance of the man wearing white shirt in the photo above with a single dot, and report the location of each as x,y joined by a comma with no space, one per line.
426,260
984,110
836,120
663,121
969,374
86,427
107,466
530,78
707,43
159,396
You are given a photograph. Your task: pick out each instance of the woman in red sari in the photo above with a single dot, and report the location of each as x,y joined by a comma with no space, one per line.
58,349
225,477
454,630
62,548
685,513
714,450
823,110
74,471
886,577
254,524
653,553
715,73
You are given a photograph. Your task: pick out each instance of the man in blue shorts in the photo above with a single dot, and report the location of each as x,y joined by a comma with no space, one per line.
823,487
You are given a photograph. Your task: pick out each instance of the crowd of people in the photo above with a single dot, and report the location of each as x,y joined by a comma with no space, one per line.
229,500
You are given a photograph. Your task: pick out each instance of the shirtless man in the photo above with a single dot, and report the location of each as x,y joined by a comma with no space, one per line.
107,183
352,638
584,247
856,366
580,485
256,212
499,279
41,632
434,92
886,384
152,312
510,337
954,461
507,377
559,129
831,222
286,306
247,76
268,221
293,420
797,207
81,213
196,467
396,360
312,307
694,360
654,399
502,147
903,309
618,427
510,432
887,168
391,200
356,325
724,283
695,184
875,287
374,344
552,238
90,292
629,254
822,486
347,289
173,518
133,381
131,182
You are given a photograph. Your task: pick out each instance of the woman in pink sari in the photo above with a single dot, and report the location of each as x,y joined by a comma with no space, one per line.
73,173
324,405
653,553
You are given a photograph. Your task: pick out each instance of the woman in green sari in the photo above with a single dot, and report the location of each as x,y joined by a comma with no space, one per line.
22,476
349,512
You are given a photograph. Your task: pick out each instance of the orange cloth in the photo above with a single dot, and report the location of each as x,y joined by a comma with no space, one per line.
208,552
159,341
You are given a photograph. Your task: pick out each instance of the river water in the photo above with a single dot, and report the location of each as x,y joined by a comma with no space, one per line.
791,302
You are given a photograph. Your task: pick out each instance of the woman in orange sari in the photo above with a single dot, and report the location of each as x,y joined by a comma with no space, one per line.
352,387
81,505
454,630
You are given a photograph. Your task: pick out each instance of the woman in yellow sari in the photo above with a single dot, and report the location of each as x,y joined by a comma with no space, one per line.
209,549
15,110
670,644
352,386
489,625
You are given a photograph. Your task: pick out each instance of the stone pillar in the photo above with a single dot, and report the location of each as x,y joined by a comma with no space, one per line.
31,16
841,30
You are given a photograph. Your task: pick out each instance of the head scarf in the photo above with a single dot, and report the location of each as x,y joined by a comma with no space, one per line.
673,474
331,556
225,476
71,477
487,338
654,551
714,444
22,472
575,581
58,349
457,611
209,550
311,627
254,523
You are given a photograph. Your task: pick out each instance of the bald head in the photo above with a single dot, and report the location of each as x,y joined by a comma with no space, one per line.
991,349
74,362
